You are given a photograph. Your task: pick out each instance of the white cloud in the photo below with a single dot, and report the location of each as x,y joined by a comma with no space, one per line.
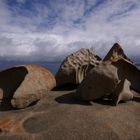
65,26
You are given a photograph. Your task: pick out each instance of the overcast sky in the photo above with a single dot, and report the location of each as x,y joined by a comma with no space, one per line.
49,30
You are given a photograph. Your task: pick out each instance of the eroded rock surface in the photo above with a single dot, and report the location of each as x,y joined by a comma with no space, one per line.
116,74
116,53
59,116
129,71
120,76
122,92
75,67
22,85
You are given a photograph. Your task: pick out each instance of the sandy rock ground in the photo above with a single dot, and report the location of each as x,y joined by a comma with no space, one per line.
59,116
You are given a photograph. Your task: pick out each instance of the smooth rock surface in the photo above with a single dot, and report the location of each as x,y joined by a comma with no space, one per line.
75,67
59,116
22,85
99,82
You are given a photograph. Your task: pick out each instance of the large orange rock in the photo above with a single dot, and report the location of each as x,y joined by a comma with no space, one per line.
75,67
22,85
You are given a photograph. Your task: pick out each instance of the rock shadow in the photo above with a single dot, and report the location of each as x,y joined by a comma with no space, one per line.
10,80
130,72
66,87
71,98
136,99
104,101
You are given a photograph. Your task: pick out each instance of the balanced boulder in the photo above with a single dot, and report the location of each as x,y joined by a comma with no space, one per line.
75,67
22,85
99,82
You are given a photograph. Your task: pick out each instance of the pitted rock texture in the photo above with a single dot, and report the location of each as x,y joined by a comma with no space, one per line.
75,67
59,116
35,124
22,85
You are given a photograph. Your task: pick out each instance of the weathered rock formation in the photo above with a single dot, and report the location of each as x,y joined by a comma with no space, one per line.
75,67
59,116
22,85
127,70
99,78
122,92
115,53
114,79
99,82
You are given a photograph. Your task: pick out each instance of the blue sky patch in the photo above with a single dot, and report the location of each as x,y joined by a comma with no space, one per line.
64,26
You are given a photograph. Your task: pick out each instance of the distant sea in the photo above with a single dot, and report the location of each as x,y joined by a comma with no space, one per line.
52,66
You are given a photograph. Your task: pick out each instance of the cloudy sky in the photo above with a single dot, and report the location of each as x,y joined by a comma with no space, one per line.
48,30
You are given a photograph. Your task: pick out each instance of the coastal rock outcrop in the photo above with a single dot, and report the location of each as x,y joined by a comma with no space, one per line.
76,66
114,78
22,85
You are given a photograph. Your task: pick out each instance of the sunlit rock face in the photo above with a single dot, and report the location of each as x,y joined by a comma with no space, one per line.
76,66
22,85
